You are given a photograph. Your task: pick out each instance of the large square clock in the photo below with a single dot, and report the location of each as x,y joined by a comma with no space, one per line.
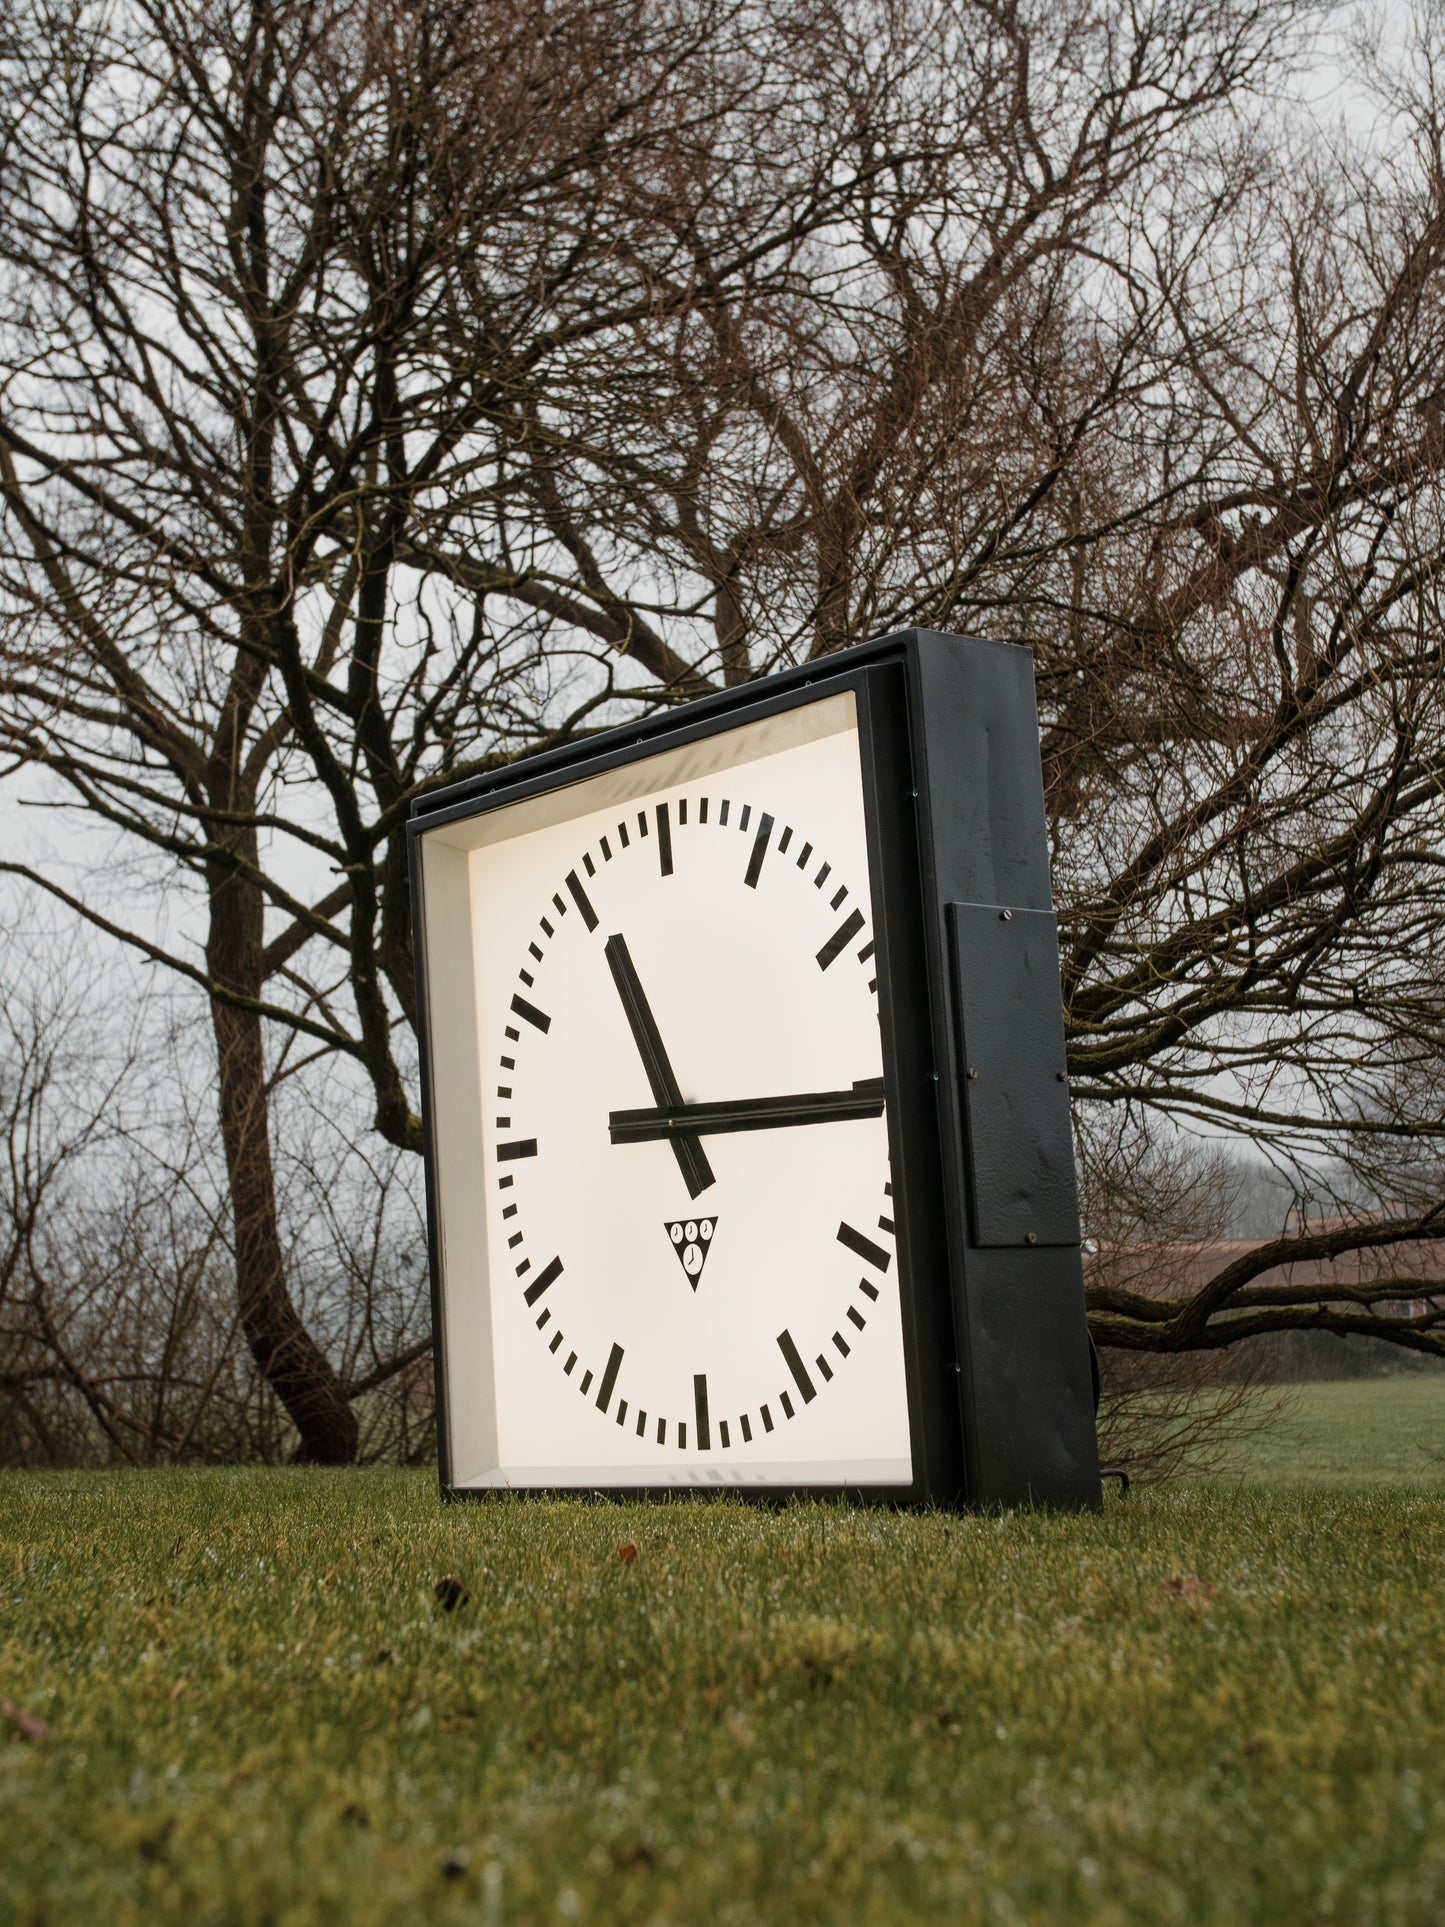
748,1148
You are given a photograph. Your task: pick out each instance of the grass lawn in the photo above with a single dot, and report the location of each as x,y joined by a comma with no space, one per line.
1365,1431
1215,1704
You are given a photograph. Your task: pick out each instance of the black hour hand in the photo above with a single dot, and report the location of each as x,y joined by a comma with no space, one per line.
697,1173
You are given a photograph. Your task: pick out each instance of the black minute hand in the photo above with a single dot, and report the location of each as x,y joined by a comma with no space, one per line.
748,1114
697,1173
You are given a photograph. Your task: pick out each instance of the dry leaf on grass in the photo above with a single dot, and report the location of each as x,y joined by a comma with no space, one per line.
24,1723
1188,1585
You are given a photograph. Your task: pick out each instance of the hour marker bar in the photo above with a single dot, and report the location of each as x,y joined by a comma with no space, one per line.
622,1411
587,864
760,850
664,840
641,1423
609,1381
504,1184
723,813
869,1291
571,1361
822,877
838,898
519,1147
824,1367
548,1275
702,811
857,1317
606,849
806,852
544,1317
662,1431
642,822
682,1435
699,1397
785,839
514,1240
513,1034
586,1386
555,1342
886,1224
533,1016
767,1418
509,1063
527,978
547,928
866,952
870,1253
722,1432
525,1266
743,819
580,898
845,933
747,1429
841,1342
786,1403
536,951
682,809
797,1368
622,836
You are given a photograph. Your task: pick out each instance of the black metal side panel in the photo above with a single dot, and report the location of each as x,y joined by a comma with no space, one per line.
1024,1351
920,1182
1015,1089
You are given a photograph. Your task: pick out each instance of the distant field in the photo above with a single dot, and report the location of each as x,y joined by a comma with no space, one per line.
1362,1432
1212,1706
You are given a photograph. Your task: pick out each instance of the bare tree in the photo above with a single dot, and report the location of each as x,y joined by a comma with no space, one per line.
231,247
388,392
120,1337
328,331
1245,738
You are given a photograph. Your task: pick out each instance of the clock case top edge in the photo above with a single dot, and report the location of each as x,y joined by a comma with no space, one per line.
670,727
969,1445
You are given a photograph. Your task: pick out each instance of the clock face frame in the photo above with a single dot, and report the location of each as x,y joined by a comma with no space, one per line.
684,937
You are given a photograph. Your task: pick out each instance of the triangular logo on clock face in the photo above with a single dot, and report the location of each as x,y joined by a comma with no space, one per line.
691,1239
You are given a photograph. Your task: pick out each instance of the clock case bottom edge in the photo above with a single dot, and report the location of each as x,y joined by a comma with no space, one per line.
895,1474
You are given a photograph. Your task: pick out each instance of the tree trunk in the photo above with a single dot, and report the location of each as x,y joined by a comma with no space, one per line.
291,1362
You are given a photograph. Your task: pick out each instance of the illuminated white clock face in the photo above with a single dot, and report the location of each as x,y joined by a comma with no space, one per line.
689,1272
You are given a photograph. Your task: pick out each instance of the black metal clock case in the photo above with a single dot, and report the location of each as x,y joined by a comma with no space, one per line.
996,1351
